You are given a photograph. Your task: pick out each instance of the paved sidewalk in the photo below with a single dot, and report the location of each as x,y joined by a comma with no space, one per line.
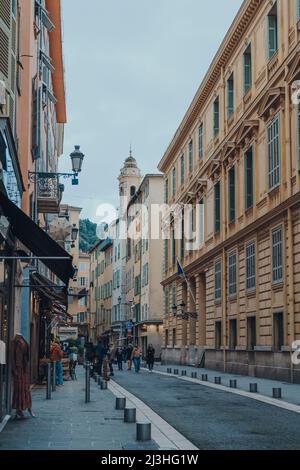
290,392
68,423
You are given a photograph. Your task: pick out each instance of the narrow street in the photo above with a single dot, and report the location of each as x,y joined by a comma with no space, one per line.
212,419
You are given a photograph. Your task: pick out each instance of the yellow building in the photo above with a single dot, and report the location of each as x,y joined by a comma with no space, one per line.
235,158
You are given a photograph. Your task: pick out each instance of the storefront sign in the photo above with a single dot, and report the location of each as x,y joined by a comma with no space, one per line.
68,333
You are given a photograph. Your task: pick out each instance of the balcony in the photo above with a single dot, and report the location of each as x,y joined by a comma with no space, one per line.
49,194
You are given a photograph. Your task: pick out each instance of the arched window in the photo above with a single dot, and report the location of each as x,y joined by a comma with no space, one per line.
132,190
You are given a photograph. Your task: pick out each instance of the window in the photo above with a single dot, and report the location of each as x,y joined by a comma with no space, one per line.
167,338
182,169
132,191
173,248
232,334
200,220
218,280
251,333
83,281
218,335
145,275
278,331
217,207
216,117
230,96
182,241
173,181
174,337
247,69
174,300
298,10
137,285
191,156
166,301
249,179
273,31
200,142
277,268
231,194
274,152
250,267
166,190
166,255
232,273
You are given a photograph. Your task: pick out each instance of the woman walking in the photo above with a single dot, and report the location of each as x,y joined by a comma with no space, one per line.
56,356
150,357
136,357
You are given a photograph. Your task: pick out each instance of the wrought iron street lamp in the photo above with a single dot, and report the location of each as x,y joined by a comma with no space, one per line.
76,158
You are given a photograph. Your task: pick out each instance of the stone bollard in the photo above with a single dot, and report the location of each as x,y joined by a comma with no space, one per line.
183,373
120,403
253,388
143,432
130,415
104,385
218,380
204,377
176,372
233,383
277,393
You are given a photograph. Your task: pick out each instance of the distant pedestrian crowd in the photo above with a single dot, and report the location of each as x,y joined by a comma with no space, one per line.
103,358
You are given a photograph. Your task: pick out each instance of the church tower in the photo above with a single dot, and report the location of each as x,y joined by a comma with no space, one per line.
129,181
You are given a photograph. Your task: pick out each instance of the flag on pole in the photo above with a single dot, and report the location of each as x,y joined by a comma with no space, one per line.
180,272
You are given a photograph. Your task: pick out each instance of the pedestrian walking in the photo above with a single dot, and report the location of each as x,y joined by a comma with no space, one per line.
119,358
100,353
21,399
129,356
111,356
56,356
136,357
150,357
105,367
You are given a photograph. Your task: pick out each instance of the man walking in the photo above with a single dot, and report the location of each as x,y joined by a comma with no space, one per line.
150,357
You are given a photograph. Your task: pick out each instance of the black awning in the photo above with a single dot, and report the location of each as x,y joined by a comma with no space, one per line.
37,241
48,289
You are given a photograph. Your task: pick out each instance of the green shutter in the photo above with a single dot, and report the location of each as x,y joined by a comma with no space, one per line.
272,31
217,207
247,71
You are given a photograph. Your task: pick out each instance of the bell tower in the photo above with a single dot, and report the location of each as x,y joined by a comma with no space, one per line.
129,181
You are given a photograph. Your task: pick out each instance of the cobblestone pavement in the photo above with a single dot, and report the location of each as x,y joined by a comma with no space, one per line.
214,419
67,423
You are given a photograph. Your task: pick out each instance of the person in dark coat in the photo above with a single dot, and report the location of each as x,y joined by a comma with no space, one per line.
129,356
150,357
119,358
100,354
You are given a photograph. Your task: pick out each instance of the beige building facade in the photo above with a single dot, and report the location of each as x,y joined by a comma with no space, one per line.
144,258
235,160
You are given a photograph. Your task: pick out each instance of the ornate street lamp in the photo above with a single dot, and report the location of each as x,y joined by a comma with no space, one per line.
76,158
174,310
74,233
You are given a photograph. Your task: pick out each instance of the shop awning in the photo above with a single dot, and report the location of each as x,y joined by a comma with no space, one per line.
37,241
57,294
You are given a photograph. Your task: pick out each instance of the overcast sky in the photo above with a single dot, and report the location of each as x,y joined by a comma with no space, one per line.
132,69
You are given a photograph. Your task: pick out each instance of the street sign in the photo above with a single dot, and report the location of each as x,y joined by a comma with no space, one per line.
129,325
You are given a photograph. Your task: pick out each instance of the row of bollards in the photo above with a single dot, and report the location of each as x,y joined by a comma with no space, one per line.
143,430
253,387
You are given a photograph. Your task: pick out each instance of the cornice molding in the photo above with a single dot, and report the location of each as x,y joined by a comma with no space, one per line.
232,40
